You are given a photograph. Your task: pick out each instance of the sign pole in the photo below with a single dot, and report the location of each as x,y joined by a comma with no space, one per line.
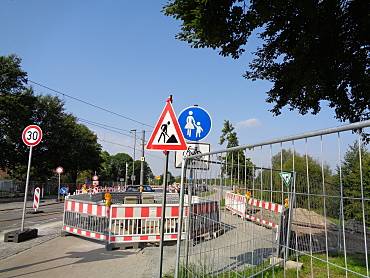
163,217
26,189
59,187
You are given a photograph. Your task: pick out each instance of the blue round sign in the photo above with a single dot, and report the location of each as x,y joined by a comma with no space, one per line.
195,123
63,190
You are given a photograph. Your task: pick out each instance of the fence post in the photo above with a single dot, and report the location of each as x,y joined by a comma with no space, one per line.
289,228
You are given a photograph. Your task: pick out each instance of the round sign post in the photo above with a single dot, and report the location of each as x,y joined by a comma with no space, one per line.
59,171
31,136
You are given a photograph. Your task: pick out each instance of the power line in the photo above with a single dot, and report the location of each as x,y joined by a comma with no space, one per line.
87,103
147,153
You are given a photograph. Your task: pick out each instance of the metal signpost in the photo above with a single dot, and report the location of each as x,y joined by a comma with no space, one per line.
31,136
59,171
166,136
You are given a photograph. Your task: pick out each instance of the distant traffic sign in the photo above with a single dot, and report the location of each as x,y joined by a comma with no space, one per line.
32,135
63,190
59,170
195,123
167,134
287,177
95,177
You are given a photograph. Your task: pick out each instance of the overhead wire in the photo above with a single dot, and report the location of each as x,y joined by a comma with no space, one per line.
87,103
99,124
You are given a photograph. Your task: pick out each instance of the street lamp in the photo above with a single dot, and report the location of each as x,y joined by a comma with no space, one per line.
133,162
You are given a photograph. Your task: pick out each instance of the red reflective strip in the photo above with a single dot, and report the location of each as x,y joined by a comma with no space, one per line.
79,231
144,237
175,212
159,212
80,207
145,212
157,237
99,210
114,212
129,212
89,208
127,238
73,206
173,236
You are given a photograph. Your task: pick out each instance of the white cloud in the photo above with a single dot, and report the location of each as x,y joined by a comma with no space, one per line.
250,123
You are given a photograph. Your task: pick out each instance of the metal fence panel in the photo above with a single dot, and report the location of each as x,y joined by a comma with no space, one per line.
301,199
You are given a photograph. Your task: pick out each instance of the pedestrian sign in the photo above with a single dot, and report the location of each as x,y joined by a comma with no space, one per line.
195,123
287,177
167,134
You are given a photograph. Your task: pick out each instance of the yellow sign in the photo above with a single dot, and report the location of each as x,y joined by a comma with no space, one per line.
158,177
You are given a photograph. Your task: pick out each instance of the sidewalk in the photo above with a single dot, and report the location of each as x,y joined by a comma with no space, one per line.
50,255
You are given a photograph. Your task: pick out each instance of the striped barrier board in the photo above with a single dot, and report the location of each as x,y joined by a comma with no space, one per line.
236,203
36,198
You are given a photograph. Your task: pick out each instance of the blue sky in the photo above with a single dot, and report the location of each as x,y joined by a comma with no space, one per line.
122,56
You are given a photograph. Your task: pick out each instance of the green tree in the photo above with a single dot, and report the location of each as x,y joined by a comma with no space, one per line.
351,167
170,178
236,165
65,142
312,51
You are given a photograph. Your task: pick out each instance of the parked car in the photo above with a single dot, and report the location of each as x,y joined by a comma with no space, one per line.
136,188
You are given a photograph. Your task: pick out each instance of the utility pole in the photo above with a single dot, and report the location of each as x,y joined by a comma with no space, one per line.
126,176
133,161
142,160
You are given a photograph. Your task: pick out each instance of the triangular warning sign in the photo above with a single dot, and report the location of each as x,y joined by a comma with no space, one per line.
287,177
167,134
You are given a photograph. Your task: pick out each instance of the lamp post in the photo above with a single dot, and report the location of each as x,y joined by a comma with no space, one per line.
142,160
133,162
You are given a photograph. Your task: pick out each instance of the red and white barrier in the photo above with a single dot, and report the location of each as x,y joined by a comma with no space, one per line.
236,203
36,198
141,223
135,222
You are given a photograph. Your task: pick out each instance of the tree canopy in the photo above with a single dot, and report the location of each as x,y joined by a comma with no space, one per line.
65,142
312,51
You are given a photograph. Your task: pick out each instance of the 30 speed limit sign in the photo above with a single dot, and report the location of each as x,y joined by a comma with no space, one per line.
32,135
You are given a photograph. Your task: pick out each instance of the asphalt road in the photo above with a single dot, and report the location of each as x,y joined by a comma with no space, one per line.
11,213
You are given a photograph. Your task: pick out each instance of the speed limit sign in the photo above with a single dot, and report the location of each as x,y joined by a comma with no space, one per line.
59,170
32,135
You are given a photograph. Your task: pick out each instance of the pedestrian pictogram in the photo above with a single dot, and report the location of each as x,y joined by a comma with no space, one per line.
195,123
167,133
287,178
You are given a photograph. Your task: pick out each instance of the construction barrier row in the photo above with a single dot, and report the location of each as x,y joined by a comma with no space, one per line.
238,204
136,221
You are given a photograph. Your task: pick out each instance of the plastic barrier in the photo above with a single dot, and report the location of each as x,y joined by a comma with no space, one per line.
137,219
138,223
237,204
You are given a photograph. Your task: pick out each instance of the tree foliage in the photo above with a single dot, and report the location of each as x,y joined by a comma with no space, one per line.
114,168
356,162
312,51
236,165
65,142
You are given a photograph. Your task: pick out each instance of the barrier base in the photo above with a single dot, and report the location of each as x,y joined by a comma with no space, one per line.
19,236
123,246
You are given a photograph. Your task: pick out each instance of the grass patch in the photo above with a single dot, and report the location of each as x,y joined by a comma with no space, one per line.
319,269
